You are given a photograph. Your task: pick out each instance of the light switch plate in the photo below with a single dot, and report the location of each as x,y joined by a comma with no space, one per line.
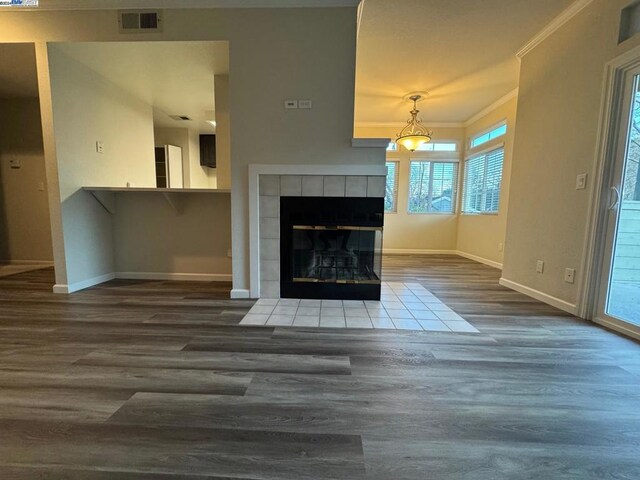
290,104
99,147
581,181
305,104
15,163
540,266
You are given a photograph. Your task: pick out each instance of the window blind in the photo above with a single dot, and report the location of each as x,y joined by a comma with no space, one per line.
432,187
482,182
391,193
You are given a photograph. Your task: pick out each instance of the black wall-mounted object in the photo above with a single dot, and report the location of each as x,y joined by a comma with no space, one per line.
208,151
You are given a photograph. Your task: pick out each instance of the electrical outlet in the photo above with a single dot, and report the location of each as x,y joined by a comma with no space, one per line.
501,247
570,275
581,181
99,147
305,104
291,104
540,266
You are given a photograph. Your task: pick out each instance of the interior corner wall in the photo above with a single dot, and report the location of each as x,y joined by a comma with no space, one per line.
481,235
25,231
415,233
87,109
560,94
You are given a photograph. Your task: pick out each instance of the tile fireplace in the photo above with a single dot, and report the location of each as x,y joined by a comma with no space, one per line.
319,236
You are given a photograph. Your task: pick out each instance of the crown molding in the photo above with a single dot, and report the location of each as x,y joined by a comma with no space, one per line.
574,9
497,104
180,4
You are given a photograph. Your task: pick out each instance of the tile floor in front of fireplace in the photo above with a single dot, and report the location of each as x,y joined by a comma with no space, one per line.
403,306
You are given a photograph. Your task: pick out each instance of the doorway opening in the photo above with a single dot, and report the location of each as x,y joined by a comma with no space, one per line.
25,228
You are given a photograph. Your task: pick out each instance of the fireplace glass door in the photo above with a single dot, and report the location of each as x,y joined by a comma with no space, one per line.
342,254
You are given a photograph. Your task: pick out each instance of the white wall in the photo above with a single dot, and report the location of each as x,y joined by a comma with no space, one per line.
561,87
412,232
277,54
480,235
86,109
25,233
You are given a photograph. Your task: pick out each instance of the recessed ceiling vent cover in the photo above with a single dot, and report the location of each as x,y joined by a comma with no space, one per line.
131,21
181,118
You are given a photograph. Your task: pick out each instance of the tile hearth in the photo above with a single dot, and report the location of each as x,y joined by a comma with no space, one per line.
403,306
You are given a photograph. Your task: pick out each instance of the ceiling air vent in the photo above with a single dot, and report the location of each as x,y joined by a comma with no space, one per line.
181,118
132,21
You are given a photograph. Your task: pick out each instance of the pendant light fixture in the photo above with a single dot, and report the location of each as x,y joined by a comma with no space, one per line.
414,133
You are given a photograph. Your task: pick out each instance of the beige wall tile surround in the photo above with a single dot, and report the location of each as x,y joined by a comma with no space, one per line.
376,186
312,186
269,185
272,187
291,186
334,186
269,228
356,187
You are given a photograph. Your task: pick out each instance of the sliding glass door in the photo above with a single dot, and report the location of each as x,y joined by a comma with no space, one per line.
619,298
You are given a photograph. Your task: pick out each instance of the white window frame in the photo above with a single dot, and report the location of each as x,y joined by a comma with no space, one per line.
475,136
454,194
475,155
396,180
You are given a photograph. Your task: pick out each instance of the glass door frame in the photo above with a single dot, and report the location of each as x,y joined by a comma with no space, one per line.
620,82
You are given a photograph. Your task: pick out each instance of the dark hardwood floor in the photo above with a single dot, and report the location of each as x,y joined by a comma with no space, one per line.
154,380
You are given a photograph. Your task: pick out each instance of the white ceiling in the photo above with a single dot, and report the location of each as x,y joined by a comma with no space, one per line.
176,78
18,75
461,51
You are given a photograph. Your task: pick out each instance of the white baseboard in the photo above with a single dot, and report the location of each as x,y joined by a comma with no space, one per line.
47,263
239,293
538,295
61,288
75,287
188,277
478,259
408,251
185,277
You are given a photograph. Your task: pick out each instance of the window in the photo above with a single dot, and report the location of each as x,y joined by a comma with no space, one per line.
432,187
492,134
392,147
482,182
391,193
438,147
